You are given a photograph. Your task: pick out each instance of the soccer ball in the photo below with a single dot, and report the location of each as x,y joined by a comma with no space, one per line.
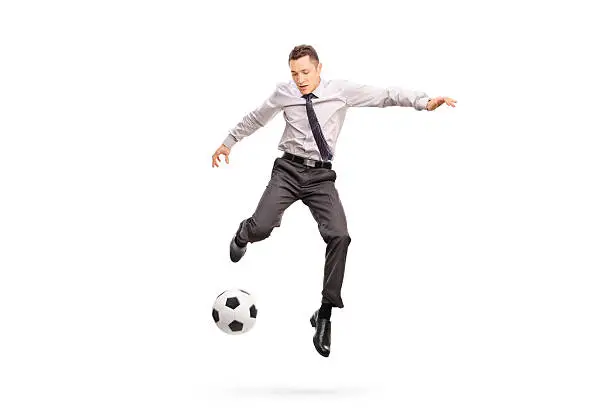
234,311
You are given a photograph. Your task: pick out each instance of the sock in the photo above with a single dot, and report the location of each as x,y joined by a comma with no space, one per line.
325,311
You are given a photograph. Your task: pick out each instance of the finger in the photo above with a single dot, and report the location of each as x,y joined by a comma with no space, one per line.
227,159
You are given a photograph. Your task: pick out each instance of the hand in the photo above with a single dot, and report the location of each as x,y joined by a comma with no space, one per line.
222,150
439,100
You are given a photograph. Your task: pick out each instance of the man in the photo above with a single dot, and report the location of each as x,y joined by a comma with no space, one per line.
314,111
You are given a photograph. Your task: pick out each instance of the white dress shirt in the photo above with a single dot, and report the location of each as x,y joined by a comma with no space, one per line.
333,98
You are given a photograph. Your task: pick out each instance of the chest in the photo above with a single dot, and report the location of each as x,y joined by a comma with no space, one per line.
324,108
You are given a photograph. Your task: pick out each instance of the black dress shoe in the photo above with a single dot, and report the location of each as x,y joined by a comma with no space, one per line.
322,336
236,251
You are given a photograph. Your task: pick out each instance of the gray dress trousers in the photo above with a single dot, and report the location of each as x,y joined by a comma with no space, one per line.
289,182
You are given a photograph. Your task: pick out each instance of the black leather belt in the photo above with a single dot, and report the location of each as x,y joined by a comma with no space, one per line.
307,162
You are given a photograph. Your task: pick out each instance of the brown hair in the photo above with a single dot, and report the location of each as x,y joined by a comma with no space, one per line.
300,51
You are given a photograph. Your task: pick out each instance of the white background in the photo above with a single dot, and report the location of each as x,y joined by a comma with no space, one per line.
479,269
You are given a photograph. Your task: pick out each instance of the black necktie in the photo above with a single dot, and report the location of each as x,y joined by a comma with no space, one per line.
316,128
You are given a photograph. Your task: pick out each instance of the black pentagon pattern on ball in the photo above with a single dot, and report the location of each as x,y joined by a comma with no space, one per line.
232,302
235,326
215,315
253,311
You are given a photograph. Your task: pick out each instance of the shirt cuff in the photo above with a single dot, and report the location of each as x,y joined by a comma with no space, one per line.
421,104
229,141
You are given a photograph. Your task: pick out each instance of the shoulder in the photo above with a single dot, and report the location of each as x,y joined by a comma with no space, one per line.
339,84
287,91
284,86
333,83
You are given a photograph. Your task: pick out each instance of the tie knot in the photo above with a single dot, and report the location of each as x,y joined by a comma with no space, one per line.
308,96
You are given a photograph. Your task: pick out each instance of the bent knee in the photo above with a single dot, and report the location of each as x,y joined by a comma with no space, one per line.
342,238
261,229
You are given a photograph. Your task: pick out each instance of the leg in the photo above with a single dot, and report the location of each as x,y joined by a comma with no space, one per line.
326,208
277,197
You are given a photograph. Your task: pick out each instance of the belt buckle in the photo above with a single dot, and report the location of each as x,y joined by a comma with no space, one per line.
310,162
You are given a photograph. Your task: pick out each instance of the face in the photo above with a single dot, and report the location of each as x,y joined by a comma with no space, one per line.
305,74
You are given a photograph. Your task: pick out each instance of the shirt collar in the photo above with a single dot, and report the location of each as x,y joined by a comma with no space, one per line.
319,89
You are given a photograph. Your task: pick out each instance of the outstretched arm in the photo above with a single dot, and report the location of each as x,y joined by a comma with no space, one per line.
360,95
248,125
254,120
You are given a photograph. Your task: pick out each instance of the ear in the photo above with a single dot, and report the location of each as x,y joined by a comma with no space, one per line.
319,68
